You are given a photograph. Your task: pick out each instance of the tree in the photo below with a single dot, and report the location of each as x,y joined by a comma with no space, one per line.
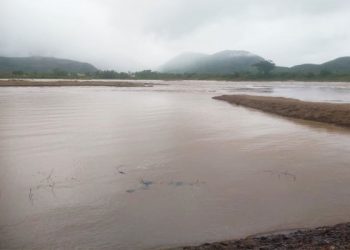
325,73
59,73
18,73
265,67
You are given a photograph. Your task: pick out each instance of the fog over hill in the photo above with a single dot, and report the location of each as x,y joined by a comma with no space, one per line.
223,62
236,61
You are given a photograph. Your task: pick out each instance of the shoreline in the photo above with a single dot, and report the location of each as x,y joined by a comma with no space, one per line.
331,113
219,79
326,237
72,83
330,81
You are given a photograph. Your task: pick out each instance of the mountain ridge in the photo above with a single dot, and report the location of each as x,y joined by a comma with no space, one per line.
226,62
44,65
340,65
238,61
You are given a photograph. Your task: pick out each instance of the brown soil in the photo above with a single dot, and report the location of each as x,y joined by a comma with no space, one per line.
72,83
338,114
334,237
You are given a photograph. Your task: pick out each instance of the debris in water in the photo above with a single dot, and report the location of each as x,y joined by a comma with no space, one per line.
176,183
182,183
281,173
119,170
30,196
146,183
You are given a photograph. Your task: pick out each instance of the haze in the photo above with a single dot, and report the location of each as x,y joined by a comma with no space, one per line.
142,34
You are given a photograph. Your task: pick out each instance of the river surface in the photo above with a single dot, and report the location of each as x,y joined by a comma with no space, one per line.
152,168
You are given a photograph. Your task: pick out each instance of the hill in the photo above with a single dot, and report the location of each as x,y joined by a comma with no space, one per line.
340,65
228,62
43,65
221,63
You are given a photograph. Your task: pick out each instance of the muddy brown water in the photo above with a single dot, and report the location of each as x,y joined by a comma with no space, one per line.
121,168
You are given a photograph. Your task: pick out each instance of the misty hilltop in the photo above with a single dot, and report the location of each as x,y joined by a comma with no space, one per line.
43,65
229,62
221,63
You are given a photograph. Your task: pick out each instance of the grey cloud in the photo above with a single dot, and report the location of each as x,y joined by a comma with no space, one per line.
137,34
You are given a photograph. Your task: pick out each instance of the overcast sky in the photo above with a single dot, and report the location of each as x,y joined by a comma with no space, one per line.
139,34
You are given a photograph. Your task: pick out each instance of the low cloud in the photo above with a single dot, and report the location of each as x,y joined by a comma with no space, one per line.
140,34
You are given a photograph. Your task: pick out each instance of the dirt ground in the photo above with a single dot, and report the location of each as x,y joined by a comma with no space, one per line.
68,83
333,237
334,113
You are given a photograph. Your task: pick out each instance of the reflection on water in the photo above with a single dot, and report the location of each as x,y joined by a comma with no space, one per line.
151,168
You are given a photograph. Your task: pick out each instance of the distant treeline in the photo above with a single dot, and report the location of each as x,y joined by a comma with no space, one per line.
153,75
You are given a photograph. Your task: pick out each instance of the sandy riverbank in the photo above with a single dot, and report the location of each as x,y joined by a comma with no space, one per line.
333,237
71,83
333,113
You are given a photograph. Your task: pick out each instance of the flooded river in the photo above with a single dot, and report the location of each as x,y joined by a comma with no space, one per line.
149,168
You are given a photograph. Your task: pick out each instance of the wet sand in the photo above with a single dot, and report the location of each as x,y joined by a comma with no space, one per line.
332,237
333,113
71,83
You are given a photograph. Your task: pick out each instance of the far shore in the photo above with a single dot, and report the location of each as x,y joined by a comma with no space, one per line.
71,83
332,113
